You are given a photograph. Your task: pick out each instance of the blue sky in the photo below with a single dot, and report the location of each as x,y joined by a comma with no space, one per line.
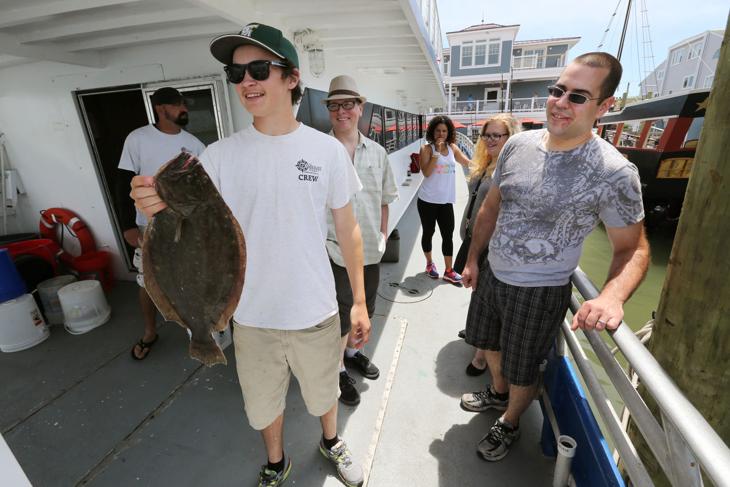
670,21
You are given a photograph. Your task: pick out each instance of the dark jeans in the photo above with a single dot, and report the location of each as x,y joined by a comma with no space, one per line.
344,292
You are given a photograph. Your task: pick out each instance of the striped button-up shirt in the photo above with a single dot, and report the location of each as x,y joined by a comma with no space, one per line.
378,189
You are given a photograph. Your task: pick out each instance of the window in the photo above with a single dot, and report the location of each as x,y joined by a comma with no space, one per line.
716,55
480,53
660,75
688,81
695,50
677,56
391,134
376,126
466,54
494,46
402,130
446,66
708,81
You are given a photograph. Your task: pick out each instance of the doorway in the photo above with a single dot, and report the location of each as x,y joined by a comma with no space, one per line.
109,114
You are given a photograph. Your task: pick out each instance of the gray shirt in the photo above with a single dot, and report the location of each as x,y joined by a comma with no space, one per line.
467,225
552,200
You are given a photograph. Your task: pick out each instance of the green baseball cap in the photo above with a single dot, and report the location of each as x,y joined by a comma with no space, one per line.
254,34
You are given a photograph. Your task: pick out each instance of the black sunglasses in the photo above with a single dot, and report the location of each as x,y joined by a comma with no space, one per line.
333,106
577,98
258,70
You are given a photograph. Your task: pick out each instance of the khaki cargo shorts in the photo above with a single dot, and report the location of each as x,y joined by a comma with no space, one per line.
266,358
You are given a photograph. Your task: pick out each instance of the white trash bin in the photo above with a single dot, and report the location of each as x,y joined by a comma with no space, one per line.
84,306
48,291
21,324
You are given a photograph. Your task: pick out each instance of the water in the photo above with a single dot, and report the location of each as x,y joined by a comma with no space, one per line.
596,259
638,309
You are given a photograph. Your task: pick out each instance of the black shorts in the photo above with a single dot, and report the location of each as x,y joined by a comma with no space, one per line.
521,322
344,292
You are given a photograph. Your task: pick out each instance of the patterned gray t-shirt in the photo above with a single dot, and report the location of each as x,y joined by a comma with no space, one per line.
551,200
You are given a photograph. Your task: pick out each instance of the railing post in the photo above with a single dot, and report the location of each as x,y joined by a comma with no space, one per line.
685,470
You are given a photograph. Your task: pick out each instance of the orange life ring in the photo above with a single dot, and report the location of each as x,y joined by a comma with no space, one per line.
75,225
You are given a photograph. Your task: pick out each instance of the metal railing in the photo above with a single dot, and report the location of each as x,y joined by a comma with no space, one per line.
465,144
478,107
683,442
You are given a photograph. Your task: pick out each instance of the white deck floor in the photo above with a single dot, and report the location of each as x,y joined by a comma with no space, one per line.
77,410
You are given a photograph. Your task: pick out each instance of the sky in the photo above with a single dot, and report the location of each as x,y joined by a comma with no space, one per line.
669,21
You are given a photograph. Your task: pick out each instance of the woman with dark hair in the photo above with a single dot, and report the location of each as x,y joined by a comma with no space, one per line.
437,193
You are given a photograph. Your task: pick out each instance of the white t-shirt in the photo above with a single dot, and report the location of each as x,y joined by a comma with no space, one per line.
280,189
146,149
440,186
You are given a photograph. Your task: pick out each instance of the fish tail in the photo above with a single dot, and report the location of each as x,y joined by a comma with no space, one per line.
207,352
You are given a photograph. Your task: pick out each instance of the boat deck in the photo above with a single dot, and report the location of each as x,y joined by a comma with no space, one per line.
77,410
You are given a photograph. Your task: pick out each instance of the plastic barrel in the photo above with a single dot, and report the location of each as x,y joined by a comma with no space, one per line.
11,284
21,324
84,306
48,291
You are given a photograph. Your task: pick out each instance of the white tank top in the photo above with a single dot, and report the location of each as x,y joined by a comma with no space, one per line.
440,186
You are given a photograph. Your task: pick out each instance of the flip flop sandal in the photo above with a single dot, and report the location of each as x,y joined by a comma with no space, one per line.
143,345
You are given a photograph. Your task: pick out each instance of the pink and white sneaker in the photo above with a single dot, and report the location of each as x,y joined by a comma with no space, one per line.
453,277
431,271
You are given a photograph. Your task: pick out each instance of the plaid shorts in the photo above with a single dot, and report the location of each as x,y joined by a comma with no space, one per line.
522,322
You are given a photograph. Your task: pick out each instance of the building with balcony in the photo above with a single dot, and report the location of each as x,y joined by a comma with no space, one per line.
690,64
487,70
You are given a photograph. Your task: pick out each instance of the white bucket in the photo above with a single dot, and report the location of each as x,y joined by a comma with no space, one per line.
48,291
84,306
21,324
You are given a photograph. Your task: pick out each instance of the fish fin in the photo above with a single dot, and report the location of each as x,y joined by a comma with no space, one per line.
209,353
153,289
222,324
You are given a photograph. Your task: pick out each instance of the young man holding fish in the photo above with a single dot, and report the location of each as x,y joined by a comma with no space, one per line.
280,178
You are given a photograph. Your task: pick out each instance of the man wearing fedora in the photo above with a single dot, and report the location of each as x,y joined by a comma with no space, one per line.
345,105
280,178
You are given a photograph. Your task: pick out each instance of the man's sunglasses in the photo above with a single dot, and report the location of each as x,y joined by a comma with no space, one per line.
577,98
347,105
258,70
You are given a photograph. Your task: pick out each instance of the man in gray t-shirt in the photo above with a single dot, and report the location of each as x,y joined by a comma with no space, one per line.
551,187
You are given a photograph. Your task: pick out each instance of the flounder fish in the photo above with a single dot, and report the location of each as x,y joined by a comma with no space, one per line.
194,256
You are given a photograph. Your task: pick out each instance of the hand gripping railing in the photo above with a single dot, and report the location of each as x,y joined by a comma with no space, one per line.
686,438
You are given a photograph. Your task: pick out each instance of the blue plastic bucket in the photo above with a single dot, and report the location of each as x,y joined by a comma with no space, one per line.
11,284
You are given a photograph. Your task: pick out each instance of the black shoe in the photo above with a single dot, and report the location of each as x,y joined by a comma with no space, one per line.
474,371
348,394
461,334
363,365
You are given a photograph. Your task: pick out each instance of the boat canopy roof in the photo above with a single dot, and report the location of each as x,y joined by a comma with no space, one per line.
689,104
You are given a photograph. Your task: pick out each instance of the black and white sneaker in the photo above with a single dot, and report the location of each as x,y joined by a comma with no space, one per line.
363,365
480,401
495,445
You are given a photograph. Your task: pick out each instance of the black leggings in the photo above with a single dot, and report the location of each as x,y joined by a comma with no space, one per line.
443,214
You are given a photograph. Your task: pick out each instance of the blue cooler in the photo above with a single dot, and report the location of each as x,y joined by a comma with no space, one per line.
11,284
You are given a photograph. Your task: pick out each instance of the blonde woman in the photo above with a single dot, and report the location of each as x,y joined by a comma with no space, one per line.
492,137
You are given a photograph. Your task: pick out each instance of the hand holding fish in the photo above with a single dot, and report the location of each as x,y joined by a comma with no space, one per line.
145,196
360,333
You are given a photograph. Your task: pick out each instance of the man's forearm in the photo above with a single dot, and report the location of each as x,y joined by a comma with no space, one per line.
384,212
626,272
482,230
